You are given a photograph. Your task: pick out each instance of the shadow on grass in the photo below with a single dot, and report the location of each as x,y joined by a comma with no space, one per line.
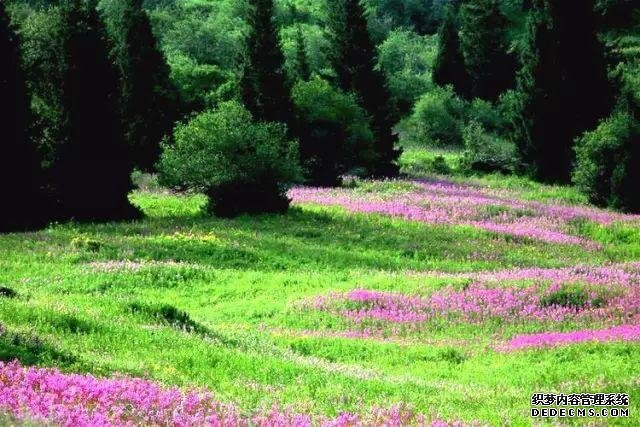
310,238
31,350
169,315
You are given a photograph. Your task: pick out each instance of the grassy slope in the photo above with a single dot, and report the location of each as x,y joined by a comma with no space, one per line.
240,285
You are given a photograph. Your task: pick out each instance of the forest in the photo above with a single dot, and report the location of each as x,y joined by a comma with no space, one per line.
318,212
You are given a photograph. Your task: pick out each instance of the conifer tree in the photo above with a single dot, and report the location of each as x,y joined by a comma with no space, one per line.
449,67
303,69
264,86
483,38
149,100
354,59
18,161
563,86
93,167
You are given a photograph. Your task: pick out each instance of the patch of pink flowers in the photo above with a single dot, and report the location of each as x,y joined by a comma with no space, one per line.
607,294
626,274
441,202
552,339
52,397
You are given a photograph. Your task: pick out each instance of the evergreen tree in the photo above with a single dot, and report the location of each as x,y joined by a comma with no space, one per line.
264,86
483,37
354,58
92,167
149,100
18,162
303,69
563,85
449,67
616,14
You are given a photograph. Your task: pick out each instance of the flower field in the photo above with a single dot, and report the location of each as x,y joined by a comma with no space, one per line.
410,302
47,395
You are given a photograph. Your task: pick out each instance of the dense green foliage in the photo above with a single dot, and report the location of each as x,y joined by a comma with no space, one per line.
560,99
18,161
383,52
607,161
420,16
450,67
353,56
303,68
483,37
487,152
264,84
243,166
334,133
406,59
90,175
437,119
149,100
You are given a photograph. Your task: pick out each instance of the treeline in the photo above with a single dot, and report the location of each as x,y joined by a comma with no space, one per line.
547,92
239,99
99,100
86,112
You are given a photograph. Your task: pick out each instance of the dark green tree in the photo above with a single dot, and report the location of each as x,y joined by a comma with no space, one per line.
18,162
92,166
42,38
449,67
563,86
303,69
483,37
149,100
618,13
354,59
264,85
607,158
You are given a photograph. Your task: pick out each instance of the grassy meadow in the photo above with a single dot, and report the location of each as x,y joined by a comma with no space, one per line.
228,305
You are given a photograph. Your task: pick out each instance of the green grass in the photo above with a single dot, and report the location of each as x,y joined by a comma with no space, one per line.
196,301
417,162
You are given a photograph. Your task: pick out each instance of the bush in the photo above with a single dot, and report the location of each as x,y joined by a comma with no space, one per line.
334,132
567,296
440,166
607,163
406,59
418,162
201,85
486,114
243,166
436,119
487,152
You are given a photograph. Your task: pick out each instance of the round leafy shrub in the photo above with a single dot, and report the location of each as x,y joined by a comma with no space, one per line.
607,162
486,114
567,296
242,165
334,132
436,120
487,152
440,166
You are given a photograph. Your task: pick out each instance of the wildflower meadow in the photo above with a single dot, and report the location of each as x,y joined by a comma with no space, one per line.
404,302
319,213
